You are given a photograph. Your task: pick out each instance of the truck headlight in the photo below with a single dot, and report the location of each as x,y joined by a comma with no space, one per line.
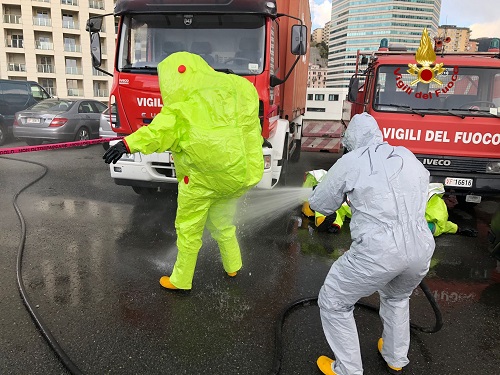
128,157
267,161
493,167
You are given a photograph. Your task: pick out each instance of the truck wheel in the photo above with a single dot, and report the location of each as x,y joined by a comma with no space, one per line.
3,135
144,191
296,154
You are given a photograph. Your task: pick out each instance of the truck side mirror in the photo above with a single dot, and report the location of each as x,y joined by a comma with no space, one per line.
94,24
95,49
299,40
353,89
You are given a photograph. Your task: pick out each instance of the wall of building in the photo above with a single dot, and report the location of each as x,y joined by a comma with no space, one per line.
324,103
46,41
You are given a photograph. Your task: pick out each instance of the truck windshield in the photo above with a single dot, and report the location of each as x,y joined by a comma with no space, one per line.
462,91
233,43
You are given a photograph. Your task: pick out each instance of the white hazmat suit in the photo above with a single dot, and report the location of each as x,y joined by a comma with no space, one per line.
391,242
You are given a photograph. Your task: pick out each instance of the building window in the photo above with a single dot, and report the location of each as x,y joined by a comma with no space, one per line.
310,96
333,97
316,110
319,97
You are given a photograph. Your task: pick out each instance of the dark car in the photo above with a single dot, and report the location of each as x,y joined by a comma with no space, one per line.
59,120
16,96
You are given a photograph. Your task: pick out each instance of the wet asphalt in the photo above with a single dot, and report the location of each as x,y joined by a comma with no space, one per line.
94,253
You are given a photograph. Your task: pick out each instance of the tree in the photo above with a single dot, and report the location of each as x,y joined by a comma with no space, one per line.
323,50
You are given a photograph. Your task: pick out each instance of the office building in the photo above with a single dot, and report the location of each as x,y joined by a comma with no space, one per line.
360,25
317,36
46,41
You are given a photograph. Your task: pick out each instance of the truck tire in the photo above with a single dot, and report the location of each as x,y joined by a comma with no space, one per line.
144,191
3,135
296,154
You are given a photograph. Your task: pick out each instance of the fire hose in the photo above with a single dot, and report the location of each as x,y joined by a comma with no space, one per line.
311,301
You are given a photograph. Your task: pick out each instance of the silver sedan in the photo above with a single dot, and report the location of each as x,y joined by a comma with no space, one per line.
59,120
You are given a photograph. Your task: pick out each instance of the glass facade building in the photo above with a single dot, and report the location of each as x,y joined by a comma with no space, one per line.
361,25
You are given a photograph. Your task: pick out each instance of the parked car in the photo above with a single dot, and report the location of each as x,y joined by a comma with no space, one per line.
105,130
59,120
16,96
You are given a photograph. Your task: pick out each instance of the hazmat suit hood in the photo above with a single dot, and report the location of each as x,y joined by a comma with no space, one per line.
362,131
210,123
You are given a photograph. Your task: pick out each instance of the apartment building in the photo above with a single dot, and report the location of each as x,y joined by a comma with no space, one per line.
317,36
459,38
360,25
46,41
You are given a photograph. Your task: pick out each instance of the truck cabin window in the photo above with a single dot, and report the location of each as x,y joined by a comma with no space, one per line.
226,42
467,91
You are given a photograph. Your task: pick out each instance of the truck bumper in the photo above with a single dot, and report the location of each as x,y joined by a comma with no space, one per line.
482,184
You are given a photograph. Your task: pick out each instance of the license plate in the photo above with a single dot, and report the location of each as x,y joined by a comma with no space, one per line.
458,182
473,198
30,120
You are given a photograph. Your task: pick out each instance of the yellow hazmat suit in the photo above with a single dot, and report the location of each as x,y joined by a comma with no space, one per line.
210,123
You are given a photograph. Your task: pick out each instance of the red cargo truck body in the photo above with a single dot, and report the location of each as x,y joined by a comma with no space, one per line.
251,38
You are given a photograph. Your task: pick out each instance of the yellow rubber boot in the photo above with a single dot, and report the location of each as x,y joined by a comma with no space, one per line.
325,365
392,369
165,282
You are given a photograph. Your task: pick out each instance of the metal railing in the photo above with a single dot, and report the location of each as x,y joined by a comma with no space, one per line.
69,2
96,4
101,93
70,24
74,70
51,90
73,48
42,1
45,68
39,21
14,43
96,72
12,18
44,45
16,67
75,92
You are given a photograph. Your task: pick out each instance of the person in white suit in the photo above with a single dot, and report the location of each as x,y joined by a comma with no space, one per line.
391,244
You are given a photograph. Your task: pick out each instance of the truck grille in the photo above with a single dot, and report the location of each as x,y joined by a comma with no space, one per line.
165,169
435,163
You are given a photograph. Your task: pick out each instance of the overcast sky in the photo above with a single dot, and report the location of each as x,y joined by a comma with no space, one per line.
482,16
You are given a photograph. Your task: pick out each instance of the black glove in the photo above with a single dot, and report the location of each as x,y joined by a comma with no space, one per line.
467,232
114,153
326,225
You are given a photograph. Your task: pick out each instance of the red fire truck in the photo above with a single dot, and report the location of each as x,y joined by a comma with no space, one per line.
245,37
444,107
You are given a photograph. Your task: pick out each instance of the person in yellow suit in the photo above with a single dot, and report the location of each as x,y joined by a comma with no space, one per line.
210,123
436,211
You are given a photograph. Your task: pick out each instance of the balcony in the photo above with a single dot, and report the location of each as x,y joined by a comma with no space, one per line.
70,25
96,72
73,48
69,2
16,67
101,93
45,68
42,1
38,21
12,18
74,70
44,45
51,90
96,4
14,43
75,92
